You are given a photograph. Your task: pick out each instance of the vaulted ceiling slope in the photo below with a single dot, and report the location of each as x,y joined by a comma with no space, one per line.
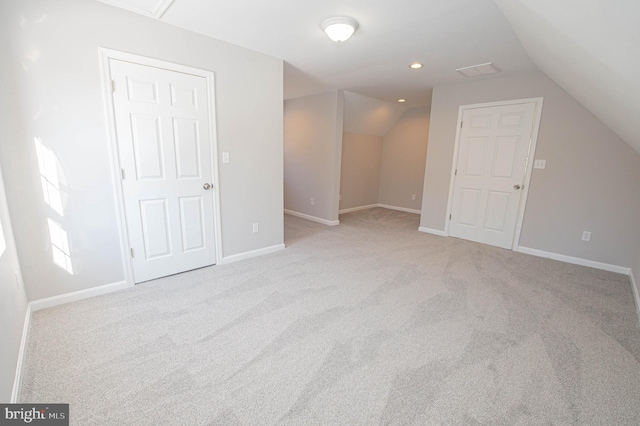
591,48
441,34
369,116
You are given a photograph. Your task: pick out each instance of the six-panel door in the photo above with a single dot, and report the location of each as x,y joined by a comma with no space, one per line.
164,143
490,173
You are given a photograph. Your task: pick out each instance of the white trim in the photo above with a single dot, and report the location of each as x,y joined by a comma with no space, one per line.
400,209
432,231
384,206
252,253
574,260
105,56
355,209
22,352
636,291
313,218
74,296
530,160
157,13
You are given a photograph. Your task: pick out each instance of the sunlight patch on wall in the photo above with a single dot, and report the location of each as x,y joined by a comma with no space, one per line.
48,167
60,246
49,177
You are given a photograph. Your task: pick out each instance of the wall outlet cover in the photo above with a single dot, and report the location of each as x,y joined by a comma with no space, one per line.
539,164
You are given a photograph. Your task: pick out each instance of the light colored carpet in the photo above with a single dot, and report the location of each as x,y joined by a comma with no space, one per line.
370,322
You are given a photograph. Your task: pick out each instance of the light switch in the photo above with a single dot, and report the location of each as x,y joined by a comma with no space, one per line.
225,158
540,164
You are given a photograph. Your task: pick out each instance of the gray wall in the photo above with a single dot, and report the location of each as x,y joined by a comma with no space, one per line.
635,267
360,176
404,151
312,154
13,298
55,72
367,116
591,182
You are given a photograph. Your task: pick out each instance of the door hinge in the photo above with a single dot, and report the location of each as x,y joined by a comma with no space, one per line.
113,86
456,173
122,174
132,253
449,217
461,123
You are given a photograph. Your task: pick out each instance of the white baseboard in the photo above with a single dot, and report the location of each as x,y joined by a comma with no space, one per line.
400,209
313,218
252,253
384,206
74,296
432,231
636,291
355,209
574,260
17,381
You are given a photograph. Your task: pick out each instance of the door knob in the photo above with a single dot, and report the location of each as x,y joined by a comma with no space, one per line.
207,186
516,186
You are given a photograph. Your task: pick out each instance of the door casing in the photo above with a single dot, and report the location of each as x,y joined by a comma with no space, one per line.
532,149
105,56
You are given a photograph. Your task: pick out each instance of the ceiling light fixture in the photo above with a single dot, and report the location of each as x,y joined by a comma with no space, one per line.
416,66
402,100
339,28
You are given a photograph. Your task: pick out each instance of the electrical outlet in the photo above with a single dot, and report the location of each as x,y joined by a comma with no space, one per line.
225,158
539,164
586,236
313,202
255,228
413,196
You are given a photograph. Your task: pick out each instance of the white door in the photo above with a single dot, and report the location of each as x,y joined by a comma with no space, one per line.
164,147
490,172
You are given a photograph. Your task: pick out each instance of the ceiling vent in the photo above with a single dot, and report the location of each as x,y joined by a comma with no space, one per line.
153,8
476,70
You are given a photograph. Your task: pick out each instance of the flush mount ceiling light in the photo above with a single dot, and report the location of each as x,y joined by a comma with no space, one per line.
402,100
481,69
339,28
416,66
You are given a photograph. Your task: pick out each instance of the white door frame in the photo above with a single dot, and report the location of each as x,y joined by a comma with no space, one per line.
105,56
530,158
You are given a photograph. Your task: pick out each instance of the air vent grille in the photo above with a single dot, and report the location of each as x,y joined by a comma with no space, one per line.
477,70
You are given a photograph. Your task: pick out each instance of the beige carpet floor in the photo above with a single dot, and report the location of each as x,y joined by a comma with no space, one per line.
370,322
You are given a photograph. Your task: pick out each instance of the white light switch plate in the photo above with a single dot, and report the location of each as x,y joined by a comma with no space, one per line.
225,158
540,164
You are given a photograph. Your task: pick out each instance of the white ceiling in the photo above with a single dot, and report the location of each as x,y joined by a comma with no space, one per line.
442,34
591,48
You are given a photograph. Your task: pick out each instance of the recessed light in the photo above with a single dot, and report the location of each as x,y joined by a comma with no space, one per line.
402,100
416,66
